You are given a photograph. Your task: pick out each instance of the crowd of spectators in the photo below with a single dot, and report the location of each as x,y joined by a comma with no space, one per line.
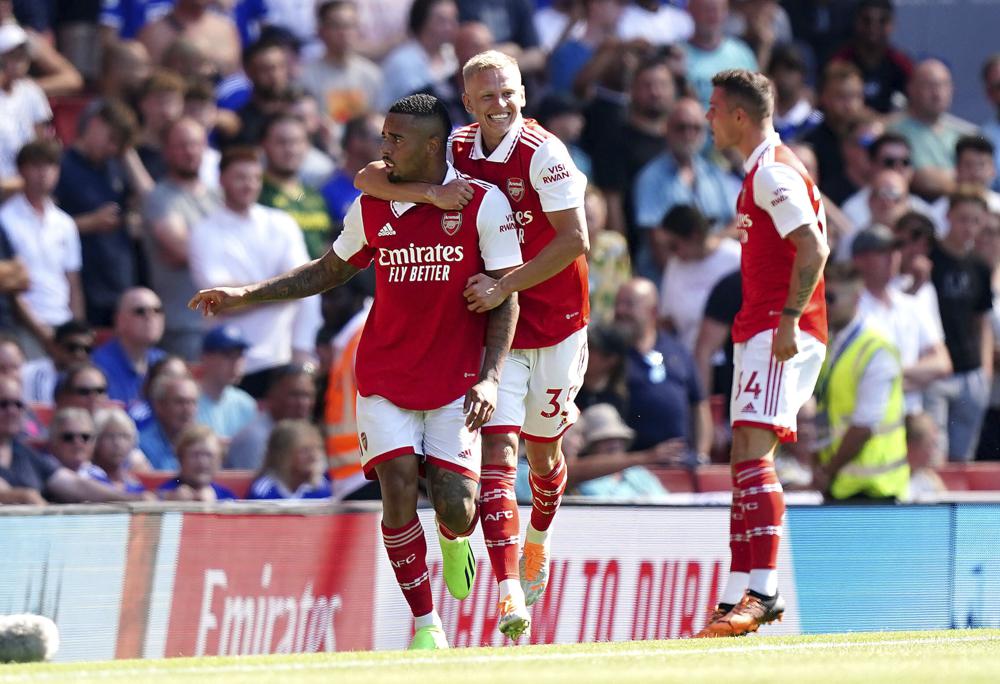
149,148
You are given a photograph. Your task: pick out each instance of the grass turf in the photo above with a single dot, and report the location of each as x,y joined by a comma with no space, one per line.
887,658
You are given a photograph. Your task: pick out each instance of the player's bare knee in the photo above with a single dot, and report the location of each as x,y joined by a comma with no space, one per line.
543,456
398,481
454,498
500,449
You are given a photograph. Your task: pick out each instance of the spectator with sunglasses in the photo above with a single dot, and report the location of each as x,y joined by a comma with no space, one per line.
72,343
83,385
25,476
71,441
888,151
889,198
127,356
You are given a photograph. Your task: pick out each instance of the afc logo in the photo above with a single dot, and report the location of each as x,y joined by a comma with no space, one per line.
451,222
404,561
364,441
515,188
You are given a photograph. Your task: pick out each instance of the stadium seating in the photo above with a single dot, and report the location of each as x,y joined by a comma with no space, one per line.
236,480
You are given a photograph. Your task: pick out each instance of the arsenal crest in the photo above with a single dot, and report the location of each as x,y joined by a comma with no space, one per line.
515,188
451,222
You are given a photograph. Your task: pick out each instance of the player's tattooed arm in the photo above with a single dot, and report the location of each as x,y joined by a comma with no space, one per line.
374,180
499,333
811,253
319,275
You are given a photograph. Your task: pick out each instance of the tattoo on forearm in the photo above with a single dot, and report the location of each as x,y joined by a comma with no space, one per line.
312,278
808,277
499,335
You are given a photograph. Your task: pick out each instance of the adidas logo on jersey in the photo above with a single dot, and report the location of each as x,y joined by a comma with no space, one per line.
386,231
749,408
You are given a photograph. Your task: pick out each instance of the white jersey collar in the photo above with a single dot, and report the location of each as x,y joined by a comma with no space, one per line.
506,146
771,140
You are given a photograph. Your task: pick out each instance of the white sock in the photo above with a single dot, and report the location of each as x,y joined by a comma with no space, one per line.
432,618
534,536
764,581
735,586
512,588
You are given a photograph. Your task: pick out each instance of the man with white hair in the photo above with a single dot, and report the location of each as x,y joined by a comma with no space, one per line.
175,403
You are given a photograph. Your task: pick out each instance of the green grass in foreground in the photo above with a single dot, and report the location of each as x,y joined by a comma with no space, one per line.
955,657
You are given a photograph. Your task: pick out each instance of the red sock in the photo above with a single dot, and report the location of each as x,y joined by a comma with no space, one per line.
763,510
739,546
501,527
449,534
407,551
546,493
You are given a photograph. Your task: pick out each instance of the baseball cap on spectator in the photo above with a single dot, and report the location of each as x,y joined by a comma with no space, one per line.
224,338
11,36
876,238
600,422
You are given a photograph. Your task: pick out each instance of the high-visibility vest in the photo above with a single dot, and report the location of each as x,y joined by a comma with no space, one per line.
340,423
880,468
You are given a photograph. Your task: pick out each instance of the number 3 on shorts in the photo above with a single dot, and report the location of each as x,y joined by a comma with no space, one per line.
557,408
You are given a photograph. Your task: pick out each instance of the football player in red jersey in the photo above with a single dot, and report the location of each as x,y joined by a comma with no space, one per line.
427,375
549,354
780,336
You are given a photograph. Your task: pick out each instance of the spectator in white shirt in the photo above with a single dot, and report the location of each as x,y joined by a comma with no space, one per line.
244,242
46,239
922,353
24,108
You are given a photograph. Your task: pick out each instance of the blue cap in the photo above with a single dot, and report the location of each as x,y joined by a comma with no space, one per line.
224,338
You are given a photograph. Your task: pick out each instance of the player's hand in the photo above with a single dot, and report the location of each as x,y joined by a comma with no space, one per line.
668,453
480,401
483,293
218,300
451,196
784,346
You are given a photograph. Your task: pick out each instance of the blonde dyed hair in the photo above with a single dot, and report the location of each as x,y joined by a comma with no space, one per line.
491,59
285,437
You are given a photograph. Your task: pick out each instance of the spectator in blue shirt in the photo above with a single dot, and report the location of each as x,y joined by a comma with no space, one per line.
680,176
175,401
222,406
127,356
200,453
294,466
666,400
125,18
361,143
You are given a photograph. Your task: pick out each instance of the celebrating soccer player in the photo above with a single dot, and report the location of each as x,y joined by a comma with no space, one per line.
549,356
425,385
779,334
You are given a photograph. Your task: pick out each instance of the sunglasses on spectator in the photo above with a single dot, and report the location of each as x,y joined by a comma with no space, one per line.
889,194
896,162
11,403
69,437
77,347
147,310
89,391
687,127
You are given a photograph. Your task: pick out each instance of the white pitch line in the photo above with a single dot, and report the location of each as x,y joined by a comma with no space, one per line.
508,656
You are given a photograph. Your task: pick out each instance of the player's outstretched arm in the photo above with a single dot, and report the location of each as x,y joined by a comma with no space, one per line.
811,253
374,180
481,399
319,275
571,240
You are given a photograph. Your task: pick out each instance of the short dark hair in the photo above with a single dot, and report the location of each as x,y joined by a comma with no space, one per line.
786,56
199,90
686,222
885,5
888,138
288,370
973,143
263,44
917,225
841,273
420,12
38,152
162,81
967,194
323,8
839,70
116,114
356,127
653,62
424,106
72,327
277,120
991,62
68,379
751,91
238,153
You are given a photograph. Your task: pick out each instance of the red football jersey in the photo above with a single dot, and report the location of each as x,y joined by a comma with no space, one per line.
777,197
421,347
534,169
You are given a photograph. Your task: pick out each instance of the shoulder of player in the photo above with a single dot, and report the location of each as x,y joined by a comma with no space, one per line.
479,186
463,134
533,137
770,176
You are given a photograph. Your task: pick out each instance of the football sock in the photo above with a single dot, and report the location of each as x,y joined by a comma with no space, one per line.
498,513
763,504
764,582
432,618
739,549
407,550
546,493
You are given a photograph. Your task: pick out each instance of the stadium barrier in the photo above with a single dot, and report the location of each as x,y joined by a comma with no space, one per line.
158,580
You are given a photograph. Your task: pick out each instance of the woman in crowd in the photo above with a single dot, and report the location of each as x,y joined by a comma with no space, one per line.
115,440
199,451
294,466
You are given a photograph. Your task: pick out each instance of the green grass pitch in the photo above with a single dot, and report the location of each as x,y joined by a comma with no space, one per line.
954,657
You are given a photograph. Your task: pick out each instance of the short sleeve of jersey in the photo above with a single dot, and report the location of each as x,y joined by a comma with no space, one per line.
497,232
560,185
449,152
779,190
351,245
